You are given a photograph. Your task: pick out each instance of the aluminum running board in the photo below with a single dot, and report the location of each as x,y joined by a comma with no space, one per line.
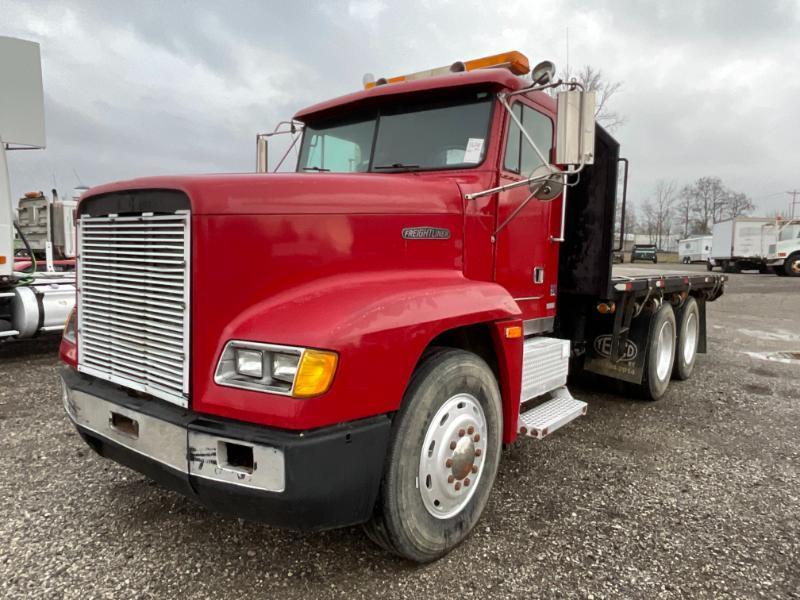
549,416
8,333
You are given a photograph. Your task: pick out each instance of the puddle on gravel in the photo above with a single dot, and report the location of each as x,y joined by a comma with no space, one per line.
779,335
787,357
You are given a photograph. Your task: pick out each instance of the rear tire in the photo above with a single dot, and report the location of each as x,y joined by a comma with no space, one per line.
688,327
660,354
792,265
438,476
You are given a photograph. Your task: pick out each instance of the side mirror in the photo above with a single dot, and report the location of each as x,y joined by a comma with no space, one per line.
575,128
261,153
546,182
543,73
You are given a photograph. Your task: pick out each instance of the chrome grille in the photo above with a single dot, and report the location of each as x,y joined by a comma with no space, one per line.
133,302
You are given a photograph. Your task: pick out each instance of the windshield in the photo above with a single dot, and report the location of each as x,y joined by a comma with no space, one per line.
440,135
790,232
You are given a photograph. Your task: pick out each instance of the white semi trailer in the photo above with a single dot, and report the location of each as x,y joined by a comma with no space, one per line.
35,296
742,244
696,248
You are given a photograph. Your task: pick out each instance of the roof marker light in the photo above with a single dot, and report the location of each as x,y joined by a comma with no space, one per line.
514,61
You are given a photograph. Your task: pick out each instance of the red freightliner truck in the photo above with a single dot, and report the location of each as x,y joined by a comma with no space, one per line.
355,342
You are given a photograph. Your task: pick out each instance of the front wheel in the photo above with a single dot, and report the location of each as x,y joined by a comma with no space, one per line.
442,459
792,265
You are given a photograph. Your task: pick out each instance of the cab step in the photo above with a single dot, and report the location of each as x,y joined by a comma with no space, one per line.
545,418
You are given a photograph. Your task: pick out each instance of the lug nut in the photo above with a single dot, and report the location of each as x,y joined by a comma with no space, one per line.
458,485
478,451
470,430
474,468
477,437
451,479
452,445
466,482
448,463
461,433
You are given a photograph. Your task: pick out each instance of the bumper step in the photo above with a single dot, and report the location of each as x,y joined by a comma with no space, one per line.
549,416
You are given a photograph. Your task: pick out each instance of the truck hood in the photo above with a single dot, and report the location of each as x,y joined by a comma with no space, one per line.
301,193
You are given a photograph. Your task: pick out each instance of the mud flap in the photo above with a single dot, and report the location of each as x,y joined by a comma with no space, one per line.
633,349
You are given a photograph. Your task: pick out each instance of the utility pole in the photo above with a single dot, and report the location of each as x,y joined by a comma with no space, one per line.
795,202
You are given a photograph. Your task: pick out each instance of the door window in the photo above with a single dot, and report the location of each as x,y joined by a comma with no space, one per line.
520,156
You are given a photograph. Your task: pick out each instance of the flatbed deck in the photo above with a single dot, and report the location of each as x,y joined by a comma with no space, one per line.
632,279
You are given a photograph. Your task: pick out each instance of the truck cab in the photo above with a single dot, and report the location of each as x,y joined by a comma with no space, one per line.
784,255
355,341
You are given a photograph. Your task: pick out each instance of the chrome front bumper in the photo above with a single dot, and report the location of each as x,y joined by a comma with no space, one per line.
318,479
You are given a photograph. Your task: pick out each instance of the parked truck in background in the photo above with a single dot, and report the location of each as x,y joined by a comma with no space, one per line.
354,342
783,257
742,244
37,279
696,248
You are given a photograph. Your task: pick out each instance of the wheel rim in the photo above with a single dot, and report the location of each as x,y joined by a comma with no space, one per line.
795,266
452,456
690,338
666,339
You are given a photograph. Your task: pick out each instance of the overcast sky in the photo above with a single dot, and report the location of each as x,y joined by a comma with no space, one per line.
710,87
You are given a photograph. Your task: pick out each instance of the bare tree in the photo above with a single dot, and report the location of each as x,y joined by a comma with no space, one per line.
683,213
593,80
708,198
738,204
659,212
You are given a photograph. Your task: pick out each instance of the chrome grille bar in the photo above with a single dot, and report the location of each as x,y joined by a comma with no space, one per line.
133,302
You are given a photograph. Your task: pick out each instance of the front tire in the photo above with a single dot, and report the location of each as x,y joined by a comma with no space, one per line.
792,265
442,459
660,354
688,340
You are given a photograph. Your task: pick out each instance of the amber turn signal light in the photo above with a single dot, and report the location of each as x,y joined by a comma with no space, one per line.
315,373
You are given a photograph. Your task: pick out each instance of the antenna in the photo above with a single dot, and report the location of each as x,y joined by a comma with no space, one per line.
78,177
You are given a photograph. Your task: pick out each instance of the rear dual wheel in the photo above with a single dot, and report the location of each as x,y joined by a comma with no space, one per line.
672,348
688,339
660,353
442,459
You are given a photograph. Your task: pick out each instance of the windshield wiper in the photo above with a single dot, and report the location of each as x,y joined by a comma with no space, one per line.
396,166
320,169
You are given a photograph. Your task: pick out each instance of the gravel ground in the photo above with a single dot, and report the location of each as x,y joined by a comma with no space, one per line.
693,496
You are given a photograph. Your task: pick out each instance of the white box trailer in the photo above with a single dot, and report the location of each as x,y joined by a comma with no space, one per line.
742,243
696,248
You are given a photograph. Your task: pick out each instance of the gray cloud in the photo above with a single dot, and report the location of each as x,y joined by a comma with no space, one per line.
150,88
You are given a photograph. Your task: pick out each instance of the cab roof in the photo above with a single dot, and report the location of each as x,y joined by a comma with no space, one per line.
493,78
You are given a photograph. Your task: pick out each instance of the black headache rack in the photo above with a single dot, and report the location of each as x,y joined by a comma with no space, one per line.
608,317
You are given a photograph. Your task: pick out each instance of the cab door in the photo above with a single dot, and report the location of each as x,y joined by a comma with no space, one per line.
526,255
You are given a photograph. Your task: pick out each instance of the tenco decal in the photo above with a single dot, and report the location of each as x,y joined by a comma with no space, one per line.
602,345
426,233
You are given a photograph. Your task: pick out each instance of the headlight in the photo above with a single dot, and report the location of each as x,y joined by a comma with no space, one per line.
288,370
249,362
